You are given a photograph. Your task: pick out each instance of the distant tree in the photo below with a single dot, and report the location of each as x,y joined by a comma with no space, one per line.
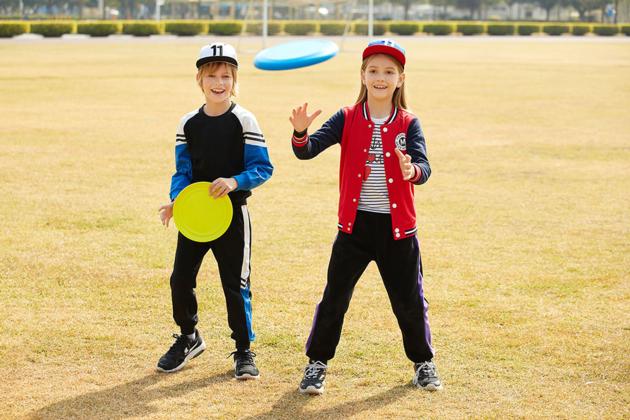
406,4
510,4
488,3
30,6
444,4
8,7
79,5
128,9
547,5
473,6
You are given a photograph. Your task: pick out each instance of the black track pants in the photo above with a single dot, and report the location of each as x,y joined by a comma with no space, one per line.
400,267
232,252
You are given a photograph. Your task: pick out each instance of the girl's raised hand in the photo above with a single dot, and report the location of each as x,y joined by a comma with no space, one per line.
300,119
405,165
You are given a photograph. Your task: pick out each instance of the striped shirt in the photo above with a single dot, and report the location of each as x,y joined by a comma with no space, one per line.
374,196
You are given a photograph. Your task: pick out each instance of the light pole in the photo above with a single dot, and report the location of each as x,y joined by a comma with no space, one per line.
371,19
265,22
158,5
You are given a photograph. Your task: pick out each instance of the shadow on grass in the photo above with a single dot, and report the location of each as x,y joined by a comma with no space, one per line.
131,399
292,405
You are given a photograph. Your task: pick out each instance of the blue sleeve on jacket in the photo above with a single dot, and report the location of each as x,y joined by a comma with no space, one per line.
183,170
329,134
258,167
256,161
417,149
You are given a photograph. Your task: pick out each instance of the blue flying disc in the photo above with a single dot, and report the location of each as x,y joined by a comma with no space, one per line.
296,54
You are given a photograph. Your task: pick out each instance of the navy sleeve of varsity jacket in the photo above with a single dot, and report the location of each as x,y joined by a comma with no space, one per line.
308,146
417,149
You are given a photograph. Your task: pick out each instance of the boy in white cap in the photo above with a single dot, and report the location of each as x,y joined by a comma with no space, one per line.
220,143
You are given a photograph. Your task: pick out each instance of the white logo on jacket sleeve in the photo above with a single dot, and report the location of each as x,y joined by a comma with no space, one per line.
401,142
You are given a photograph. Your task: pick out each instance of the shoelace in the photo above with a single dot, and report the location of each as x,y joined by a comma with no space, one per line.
243,356
180,343
427,368
314,369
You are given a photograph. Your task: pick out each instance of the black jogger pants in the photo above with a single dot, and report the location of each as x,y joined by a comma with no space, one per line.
232,252
400,266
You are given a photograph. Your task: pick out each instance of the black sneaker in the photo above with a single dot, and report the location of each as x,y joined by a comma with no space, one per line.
314,378
244,365
426,376
181,352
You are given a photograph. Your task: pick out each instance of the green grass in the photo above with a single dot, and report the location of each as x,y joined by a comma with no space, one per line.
524,227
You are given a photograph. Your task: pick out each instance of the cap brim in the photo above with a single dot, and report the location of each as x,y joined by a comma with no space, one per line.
387,50
205,60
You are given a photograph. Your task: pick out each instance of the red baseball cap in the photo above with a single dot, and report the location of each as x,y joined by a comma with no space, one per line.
388,47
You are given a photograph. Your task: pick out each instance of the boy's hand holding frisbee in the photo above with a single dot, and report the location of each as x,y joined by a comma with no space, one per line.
222,186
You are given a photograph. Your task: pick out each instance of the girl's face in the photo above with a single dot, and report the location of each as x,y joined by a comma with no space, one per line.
381,77
217,84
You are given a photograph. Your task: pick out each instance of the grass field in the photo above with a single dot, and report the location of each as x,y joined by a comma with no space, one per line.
524,226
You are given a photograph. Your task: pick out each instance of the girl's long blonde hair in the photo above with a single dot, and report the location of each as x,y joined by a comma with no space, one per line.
399,94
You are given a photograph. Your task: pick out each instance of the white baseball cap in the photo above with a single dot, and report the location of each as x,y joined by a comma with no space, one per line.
217,51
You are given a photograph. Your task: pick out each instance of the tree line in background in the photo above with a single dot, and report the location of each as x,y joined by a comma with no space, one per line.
475,7
139,9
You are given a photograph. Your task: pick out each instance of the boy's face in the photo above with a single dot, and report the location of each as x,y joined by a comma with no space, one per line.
381,77
217,84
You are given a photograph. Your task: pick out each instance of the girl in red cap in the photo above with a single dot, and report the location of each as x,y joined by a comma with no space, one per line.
383,157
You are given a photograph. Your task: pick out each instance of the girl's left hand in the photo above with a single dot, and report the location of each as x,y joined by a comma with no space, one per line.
222,186
406,167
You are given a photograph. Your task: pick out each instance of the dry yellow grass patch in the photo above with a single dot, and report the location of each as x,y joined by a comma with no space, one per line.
525,227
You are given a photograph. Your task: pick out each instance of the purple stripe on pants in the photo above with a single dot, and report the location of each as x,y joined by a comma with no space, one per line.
310,336
425,313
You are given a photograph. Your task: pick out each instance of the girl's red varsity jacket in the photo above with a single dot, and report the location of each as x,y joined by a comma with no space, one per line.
352,127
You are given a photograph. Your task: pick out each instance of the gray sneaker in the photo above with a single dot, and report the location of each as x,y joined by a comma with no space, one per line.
314,378
426,376
244,365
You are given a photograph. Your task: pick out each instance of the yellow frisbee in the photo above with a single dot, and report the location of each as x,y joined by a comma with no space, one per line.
199,216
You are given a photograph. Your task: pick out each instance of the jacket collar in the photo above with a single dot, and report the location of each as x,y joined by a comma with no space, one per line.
366,113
